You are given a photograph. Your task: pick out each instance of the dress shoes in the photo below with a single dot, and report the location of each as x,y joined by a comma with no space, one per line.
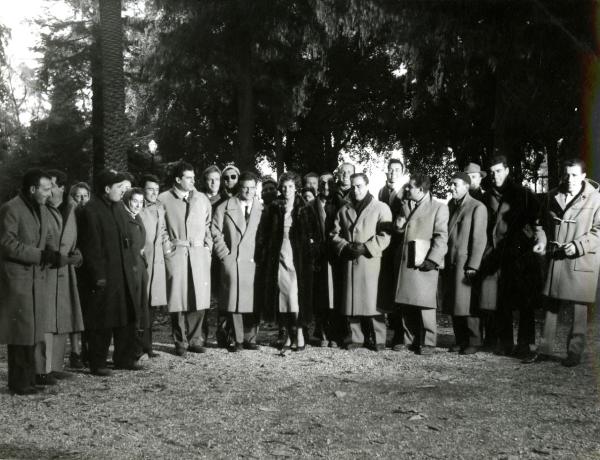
236,347
324,343
454,348
196,349
353,346
535,357
250,346
333,344
503,350
521,351
25,391
60,375
571,360
468,350
180,350
299,348
75,361
377,347
45,379
425,350
399,347
101,372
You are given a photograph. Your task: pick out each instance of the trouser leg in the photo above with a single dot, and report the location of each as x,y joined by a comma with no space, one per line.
178,329
321,331
458,327
549,332
526,329
395,320
42,363
237,322
411,323
577,334
147,335
59,346
75,341
250,322
487,328
429,327
194,321
127,340
21,366
98,341
356,331
504,326
473,331
379,329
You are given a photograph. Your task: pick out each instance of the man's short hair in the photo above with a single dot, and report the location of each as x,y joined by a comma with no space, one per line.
61,177
211,169
326,174
129,177
395,161
32,178
290,176
310,174
268,180
570,162
132,191
497,159
360,174
247,175
78,185
346,163
149,178
181,167
421,181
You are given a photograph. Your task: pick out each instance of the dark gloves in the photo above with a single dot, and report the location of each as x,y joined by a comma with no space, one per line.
353,251
470,274
50,258
75,258
427,266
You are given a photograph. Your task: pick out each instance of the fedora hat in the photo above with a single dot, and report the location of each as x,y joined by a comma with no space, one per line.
474,168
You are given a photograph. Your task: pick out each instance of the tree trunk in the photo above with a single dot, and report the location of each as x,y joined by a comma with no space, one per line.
96,71
114,125
245,155
279,153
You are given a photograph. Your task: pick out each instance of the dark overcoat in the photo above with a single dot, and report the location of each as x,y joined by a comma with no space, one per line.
63,292
304,238
510,272
103,245
467,238
234,245
23,288
573,279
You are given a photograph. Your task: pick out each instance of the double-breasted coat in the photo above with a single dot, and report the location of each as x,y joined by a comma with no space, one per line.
63,292
510,271
104,244
467,239
427,221
23,288
157,239
304,238
361,276
574,278
234,244
191,241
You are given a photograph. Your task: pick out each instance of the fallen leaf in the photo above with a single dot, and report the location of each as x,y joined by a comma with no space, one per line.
340,394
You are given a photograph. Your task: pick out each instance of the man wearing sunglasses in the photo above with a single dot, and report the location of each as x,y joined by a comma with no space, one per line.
229,179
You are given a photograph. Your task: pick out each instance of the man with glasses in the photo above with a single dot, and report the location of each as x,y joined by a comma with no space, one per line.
234,228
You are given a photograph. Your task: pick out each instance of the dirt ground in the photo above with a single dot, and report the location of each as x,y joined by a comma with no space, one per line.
319,403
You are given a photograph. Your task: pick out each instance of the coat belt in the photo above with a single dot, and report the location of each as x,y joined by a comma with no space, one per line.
187,243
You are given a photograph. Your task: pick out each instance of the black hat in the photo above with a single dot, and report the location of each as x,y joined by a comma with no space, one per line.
108,177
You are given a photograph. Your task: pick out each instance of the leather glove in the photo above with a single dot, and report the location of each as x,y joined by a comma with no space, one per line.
62,261
75,258
427,266
470,274
50,257
360,249
349,253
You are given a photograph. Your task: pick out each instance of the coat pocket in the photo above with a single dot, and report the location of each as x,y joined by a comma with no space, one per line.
586,263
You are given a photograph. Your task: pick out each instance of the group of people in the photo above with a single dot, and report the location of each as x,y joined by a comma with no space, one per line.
318,249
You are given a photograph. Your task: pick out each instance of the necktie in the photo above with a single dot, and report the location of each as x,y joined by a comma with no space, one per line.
247,212
186,200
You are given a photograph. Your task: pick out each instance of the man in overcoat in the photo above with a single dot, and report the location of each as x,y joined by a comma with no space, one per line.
234,226
63,292
343,187
110,307
570,226
24,305
509,269
328,323
424,222
157,240
392,195
188,217
360,235
476,175
467,237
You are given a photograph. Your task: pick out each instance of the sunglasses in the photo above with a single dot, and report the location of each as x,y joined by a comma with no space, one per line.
232,177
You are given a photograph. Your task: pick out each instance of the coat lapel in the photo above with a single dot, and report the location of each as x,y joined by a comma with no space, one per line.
254,219
457,211
234,212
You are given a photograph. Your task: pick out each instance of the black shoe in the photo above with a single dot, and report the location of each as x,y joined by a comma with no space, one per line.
297,348
503,350
59,375
468,350
236,347
535,357
180,350
75,361
353,346
454,348
196,349
521,350
45,379
25,391
250,346
101,372
221,338
571,360
377,347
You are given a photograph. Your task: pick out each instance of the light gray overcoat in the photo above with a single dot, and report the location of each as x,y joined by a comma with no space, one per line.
157,238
